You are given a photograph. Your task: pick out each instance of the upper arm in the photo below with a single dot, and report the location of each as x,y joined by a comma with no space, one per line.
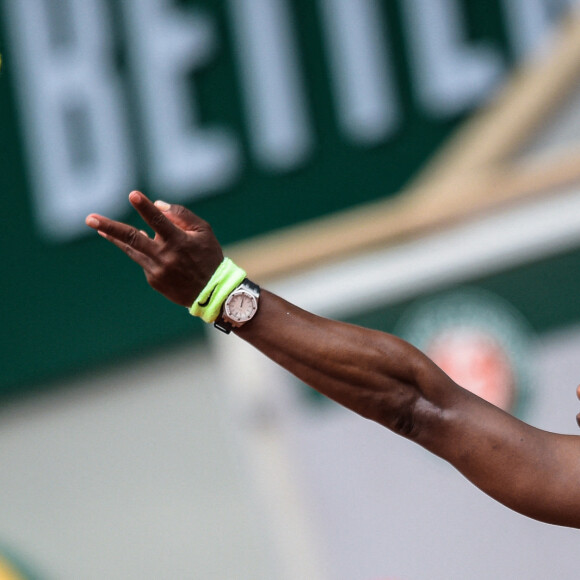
532,471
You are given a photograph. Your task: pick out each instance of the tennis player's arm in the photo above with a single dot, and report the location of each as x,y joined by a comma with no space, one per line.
372,373
387,380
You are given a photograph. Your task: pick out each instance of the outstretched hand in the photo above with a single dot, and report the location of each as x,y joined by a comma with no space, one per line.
181,258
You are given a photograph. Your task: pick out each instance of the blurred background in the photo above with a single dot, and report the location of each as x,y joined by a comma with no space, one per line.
409,165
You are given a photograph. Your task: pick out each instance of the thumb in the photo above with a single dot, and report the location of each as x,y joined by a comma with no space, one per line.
180,216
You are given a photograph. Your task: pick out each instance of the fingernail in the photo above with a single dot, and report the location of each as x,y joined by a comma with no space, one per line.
134,196
162,205
93,222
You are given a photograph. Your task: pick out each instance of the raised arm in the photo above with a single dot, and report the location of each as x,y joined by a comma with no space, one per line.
372,373
385,379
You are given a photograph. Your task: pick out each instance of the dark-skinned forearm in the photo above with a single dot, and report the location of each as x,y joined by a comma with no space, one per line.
387,380
359,368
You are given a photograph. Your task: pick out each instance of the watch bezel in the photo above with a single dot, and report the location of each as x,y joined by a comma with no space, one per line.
227,313
225,322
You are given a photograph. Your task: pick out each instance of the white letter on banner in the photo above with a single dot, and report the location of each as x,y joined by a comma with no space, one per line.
361,69
166,46
450,75
72,111
279,128
531,22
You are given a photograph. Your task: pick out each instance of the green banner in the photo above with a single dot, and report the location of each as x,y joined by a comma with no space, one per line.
257,114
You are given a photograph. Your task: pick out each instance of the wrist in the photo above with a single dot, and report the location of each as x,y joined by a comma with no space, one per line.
224,281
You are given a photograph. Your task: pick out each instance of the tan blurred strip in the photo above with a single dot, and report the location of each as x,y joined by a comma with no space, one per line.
519,110
388,222
465,178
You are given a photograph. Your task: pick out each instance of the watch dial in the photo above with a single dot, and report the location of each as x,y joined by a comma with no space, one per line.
241,307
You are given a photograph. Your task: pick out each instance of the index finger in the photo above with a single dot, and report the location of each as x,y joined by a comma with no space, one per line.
152,215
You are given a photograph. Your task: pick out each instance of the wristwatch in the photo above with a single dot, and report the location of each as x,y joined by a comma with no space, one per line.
240,307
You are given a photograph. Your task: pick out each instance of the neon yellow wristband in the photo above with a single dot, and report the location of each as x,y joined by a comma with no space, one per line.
224,281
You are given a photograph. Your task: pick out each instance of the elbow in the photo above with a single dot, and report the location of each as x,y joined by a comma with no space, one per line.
410,407
405,392
417,420
403,410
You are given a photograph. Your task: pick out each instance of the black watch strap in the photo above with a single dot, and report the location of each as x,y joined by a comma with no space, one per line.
222,325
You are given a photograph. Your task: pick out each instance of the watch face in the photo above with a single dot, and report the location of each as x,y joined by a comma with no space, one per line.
241,306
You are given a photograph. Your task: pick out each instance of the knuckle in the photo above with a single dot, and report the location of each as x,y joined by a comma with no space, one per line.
157,220
170,261
155,277
179,210
131,238
205,226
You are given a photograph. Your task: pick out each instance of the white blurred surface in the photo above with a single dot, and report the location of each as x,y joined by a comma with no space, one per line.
130,474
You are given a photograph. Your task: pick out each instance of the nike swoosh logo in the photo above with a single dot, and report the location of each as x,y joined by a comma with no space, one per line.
204,304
